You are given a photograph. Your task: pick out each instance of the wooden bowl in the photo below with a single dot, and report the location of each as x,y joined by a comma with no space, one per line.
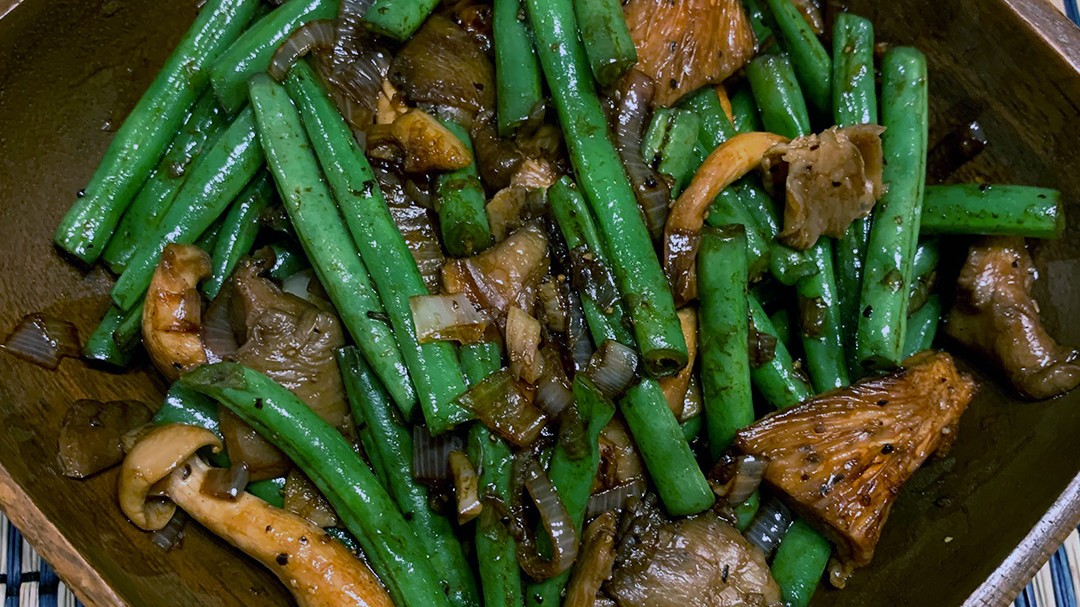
970,528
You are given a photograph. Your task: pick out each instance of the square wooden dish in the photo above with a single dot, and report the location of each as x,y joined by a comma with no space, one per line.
970,528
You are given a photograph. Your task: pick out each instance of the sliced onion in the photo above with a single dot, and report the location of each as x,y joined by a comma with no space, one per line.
554,303
43,340
523,345
594,563
447,318
762,347
225,483
172,534
507,211
590,276
628,126
694,401
554,519
507,273
502,406
466,487
348,26
616,498
736,478
612,368
219,339
416,226
577,337
769,526
553,394
431,454
318,34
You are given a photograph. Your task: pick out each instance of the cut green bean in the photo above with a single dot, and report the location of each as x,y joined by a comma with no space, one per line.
203,126
809,58
1007,210
271,491
517,70
215,180
252,52
745,111
287,261
626,240
149,128
182,405
579,231
723,335
728,209
854,102
433,366
776,380
383,432
324,237
208,239
459,200
762,24
799,562
691,428
655,134
715,126
500,575
480,360
606,37
677,156
922,327
322,453
238,232
398,19
820,323
923,274
778,96
782,324
116,337
895,231
573,476
786,264
744,512
671,464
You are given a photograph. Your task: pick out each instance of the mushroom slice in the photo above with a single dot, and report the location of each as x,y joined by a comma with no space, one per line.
686,44
172,315
996,315
152,459
832,179
841,458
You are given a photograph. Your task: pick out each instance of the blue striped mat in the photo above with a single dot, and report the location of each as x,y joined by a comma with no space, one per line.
28,581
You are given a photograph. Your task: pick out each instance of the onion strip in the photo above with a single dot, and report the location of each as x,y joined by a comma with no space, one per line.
554,519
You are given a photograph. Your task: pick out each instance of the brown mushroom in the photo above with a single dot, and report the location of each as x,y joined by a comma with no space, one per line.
841,458
172,314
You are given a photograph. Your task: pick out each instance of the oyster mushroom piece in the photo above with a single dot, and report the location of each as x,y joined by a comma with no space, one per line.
841,458
831,179
172,314
996,315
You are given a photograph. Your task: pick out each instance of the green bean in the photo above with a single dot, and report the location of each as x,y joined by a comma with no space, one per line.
480,360
821,327
208,239
116,337
785,263
654,136
922,327
640,279
799,562
777,93
459,200
895,231
691,428
723,335
323,454
270,491
238,232
433,366
809,58
398,19
763,25
745,111
782,324
579,230
500,575
287,261
324,237
744,512
854,102
677,156
382,432
252,52
923,273
517,70
215,179
1009,210
606,37
573,475
727,209
343,536
202,127
182,405
149,128
715,126
668,458
776,380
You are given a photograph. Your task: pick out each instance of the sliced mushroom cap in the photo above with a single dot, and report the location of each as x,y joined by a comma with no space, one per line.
172,314
152,459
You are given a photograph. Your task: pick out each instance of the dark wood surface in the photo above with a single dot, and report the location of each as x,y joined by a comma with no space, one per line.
970,528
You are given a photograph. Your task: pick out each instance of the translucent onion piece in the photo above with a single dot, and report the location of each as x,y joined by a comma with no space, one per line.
43,340
431,454
502,406
554,304
219,340
769,526
616,498
592,278
577,338
523,345
629,120
225,483
553,518
507,273
612,368
447,318
553,393
466,487
172,534
318,34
